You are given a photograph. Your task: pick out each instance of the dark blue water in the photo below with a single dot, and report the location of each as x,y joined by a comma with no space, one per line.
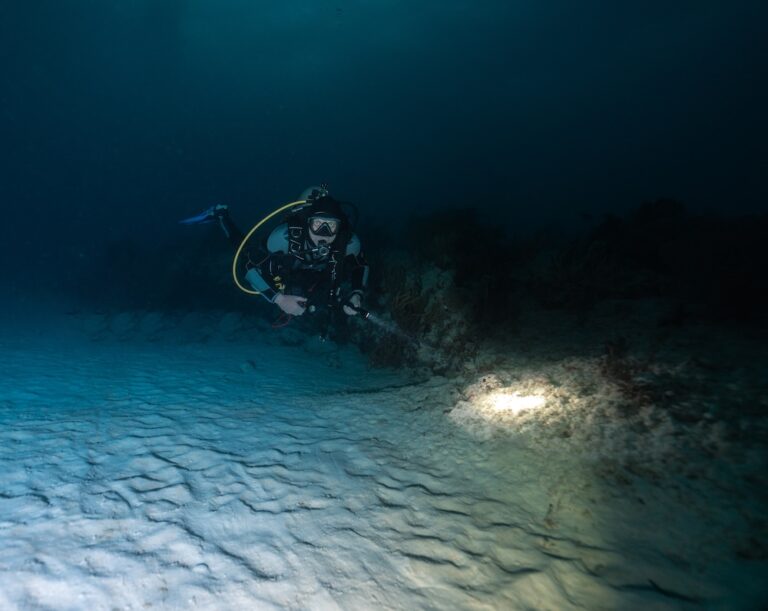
613,156
116,119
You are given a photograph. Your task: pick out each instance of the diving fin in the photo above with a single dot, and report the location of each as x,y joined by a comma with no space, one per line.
206,216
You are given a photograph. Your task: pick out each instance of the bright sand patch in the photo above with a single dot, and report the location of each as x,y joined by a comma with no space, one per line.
240,476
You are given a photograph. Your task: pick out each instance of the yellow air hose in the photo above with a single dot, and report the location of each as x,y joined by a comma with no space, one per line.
248,237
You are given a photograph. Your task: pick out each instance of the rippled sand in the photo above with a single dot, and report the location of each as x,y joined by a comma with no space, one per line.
234,475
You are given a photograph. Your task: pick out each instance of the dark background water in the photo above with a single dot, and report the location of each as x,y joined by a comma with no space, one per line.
119,118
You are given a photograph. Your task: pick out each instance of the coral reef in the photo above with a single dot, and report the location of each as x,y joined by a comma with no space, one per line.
422,301
443,291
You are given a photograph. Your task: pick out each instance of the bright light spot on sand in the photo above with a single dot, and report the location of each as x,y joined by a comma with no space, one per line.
491,406
515,403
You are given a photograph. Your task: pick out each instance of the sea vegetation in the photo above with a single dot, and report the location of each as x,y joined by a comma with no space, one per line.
455,285
441,291
464,282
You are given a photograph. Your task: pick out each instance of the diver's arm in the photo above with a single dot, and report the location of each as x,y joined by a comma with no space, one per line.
355,266
257,278
266,283
264,276
356,273
358,277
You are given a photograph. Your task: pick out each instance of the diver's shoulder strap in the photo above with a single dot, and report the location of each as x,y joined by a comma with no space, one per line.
296,234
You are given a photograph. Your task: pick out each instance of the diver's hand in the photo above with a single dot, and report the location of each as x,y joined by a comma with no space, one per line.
356,299
291,304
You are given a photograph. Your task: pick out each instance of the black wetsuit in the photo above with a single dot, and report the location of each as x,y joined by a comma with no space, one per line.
294,265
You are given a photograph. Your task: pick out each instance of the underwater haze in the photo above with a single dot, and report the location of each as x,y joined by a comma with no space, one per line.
118,118
513,358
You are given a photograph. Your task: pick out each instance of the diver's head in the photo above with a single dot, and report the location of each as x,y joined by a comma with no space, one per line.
325,220
314,192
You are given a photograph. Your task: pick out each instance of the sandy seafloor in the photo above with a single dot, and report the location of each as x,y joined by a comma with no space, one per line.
150,466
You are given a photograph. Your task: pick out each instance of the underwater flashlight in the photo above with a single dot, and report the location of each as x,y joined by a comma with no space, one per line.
361,311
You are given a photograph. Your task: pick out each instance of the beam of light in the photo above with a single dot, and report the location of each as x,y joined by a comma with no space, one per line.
516,403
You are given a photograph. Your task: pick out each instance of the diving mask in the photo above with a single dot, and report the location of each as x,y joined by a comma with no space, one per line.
324,227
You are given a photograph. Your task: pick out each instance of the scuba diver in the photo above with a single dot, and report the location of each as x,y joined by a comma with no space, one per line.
312,262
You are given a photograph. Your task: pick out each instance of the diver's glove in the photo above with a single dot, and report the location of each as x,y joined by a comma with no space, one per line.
355,299
291,304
